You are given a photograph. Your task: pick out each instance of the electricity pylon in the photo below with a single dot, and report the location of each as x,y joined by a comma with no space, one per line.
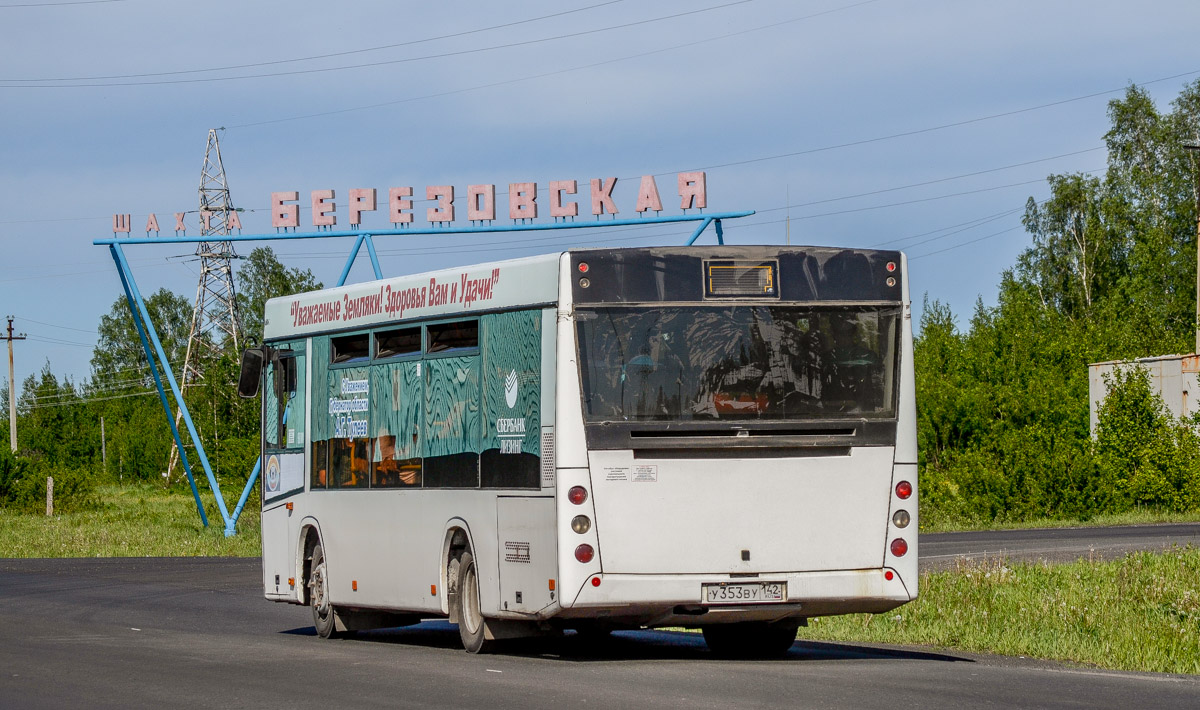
214,317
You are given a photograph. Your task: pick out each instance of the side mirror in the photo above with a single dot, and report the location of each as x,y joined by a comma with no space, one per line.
252,367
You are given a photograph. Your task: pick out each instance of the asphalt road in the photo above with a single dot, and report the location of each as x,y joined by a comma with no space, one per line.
194,632
943,550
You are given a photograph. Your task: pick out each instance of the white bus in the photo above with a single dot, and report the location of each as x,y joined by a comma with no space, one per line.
713,437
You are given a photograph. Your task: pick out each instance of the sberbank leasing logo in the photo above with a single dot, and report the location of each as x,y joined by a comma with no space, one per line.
510,389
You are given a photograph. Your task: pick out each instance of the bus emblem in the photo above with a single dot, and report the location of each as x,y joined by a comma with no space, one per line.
273,474
510,389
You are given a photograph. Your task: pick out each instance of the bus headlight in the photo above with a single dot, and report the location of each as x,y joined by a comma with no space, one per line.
581,524
901,518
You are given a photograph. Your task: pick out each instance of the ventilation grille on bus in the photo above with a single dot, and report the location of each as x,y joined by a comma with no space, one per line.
547,459
727,278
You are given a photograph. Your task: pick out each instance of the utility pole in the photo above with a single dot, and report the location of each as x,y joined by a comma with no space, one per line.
12,388
1193,147
215,320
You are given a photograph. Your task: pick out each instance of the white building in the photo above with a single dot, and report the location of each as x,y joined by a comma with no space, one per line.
1173,377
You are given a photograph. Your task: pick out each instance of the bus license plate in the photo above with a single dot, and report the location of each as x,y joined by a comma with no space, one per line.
743,592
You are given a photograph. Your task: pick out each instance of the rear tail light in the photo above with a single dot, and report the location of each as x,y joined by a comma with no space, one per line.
577,495
903,489
585,553
901,518
581,524
899,547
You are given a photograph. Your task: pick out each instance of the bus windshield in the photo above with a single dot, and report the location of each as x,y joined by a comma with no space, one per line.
738,362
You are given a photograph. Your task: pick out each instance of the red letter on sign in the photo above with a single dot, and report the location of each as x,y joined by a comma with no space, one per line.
648,195
397,204
476,210
121,223
281,215
602,196
361,200
151,223
522,200
323,208
557,208
444,194
179,226
692,190
233,222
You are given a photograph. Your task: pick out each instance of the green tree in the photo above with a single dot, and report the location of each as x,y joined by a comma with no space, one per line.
262,277
118,359
1072,259
56,425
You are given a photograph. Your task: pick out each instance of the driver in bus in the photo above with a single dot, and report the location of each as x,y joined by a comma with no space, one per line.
849,366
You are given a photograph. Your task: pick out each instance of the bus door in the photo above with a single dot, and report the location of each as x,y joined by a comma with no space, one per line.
282,473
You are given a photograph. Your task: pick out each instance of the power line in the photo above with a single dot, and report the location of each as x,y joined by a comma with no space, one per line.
956,246
86,400
56,341
951,230
934,182
51,325
556,72
802,204
59,4
321,56
406,60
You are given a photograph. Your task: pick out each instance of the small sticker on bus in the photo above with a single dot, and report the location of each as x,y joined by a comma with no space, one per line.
616,473
645,474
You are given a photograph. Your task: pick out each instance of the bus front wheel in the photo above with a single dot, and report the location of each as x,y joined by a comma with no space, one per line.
750,639
324,615
471,626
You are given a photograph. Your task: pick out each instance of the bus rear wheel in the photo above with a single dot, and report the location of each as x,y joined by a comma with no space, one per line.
750,639
471,626
324,615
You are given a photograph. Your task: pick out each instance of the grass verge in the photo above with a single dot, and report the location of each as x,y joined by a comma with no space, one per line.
131,521
1139,613
1133,517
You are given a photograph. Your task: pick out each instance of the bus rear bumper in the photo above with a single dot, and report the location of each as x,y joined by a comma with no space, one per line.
678,600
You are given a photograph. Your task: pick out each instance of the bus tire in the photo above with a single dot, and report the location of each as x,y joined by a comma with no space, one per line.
324,615
750,639
472,627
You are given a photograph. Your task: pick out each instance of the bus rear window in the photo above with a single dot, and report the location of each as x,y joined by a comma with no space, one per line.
445,338
738,362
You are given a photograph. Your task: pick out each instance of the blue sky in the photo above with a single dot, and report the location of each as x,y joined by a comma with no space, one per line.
895,123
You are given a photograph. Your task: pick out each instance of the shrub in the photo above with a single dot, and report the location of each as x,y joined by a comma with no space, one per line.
1144,456
23,486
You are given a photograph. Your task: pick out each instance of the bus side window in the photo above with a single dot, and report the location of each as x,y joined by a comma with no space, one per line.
271,407
320,465
396,423
349,463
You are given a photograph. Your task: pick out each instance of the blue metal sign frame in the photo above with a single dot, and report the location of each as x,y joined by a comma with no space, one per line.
160,368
